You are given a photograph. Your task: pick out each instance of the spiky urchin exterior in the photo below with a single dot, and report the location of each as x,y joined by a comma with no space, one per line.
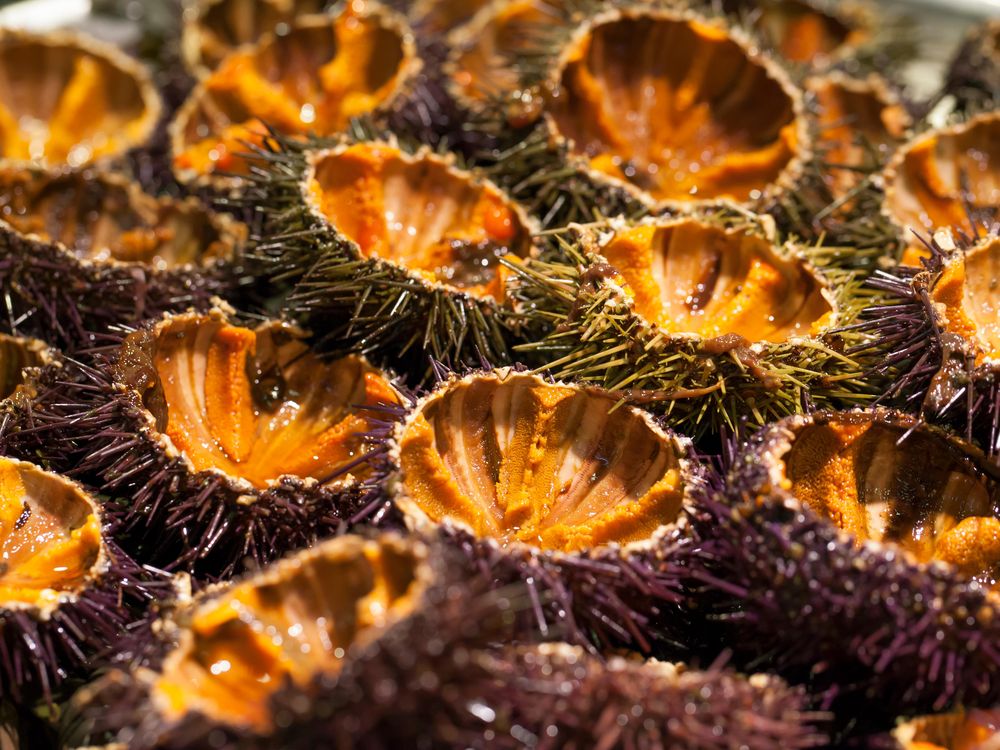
353,303
83,420
62,294
591,332
44,646
861,625
600,598
974,76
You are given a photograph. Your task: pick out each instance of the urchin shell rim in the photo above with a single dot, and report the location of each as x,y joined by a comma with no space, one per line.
792,171
231,231
417,520
125,63
241,487
97,572
447,160
775,441
868,82
891,170
410,67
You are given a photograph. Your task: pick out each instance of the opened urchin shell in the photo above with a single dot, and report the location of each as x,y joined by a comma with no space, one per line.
858,553
702,317
66,592
437,17
216,446
16,355
68,99
391,251
215,28
219,659
82,250
974,76
748,146
273,84
977,729
550,484
943,179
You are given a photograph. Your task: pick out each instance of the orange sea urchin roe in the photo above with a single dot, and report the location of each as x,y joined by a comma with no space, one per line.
307,81
972,730
419,213
915,494
50,536
968,292
316,427
287,624
676,108
691,277
517,460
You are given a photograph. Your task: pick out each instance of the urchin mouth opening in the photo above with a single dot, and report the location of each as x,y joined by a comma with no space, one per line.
690,277
289,623
15,355
899,486
50,537
255,405
966,296
103,219
99,104
527,463
314,79
735,123
420,214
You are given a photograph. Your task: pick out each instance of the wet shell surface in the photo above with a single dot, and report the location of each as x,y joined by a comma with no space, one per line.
66,99
300,617
734,122
520,461
304,81
419,213
254,405
215,28
50,539
689,276
938,178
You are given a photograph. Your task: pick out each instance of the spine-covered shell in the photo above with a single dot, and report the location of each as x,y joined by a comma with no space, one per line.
944,179
858,552
392,251
974,76
216,445
551,484
297,83
702,317
66,593
82,250
69,100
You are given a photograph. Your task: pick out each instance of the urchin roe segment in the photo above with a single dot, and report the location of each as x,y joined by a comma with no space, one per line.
254,407
419,213
918,494
943,174
16,354
102,219
74,108
486,66
802,32
967,294
677,108
286,625
689,276
554,467
50,536
961,730
312,80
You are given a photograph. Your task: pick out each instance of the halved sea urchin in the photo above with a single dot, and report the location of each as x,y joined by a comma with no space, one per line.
215,444
82,250
16,354
702,317
66,99
860,552
324,71
392,251
978,729
551,484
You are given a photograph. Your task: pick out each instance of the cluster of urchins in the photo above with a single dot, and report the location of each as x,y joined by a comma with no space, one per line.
547,373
